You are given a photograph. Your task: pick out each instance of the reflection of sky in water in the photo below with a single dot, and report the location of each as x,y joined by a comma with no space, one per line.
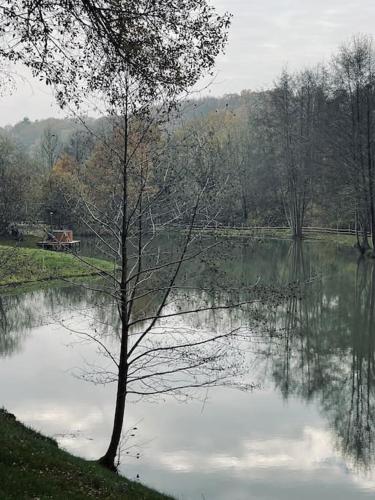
233,446
229,445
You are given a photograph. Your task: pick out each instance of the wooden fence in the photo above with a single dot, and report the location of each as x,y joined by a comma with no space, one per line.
222,227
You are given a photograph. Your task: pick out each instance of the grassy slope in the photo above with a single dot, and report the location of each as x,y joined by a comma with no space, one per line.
32,466
26,263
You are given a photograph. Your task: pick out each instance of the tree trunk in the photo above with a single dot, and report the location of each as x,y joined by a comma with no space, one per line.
108,460
370,172
364,245
244,208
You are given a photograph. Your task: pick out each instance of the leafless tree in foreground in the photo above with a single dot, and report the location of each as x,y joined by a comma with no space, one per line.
138,59
155,352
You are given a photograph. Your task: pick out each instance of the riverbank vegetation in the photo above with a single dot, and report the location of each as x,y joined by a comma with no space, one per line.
23,263
33,466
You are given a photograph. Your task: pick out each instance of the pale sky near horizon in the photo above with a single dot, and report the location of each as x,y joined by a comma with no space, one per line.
265,36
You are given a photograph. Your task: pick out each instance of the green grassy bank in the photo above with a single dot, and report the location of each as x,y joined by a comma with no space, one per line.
33,467
24,263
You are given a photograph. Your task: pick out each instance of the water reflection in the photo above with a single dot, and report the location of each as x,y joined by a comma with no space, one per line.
325,351
351,398
9,333
318,348
22,312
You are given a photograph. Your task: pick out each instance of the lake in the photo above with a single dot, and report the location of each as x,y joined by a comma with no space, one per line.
305,430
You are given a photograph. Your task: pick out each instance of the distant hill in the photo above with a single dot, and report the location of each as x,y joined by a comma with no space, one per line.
28,134
197,108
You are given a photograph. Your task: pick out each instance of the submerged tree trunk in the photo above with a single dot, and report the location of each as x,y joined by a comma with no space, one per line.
362,237
365,245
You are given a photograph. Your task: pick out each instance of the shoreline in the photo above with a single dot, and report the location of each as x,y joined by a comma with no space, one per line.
24,264
347,240
33,466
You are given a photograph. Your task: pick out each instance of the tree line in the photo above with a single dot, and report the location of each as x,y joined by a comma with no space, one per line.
301,153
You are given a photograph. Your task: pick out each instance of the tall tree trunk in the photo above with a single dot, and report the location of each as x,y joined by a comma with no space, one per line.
109,458
244,208
364,246
370,173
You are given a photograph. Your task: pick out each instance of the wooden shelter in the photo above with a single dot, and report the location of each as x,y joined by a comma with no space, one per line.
60,240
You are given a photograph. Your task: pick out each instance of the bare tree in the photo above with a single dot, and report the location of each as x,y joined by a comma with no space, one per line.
354,93
137,58
298,101
147,285
14,179
49,147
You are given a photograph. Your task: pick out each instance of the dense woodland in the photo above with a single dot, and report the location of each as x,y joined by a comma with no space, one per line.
301,153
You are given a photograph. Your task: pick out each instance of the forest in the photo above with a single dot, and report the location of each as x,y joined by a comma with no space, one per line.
299,154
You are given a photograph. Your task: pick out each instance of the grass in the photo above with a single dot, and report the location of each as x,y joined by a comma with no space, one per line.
347,240
29,241
32,466
25,263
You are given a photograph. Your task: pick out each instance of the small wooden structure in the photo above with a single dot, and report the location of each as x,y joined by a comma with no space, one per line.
60,240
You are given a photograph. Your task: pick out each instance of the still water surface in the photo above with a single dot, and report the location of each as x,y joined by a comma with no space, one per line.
306,431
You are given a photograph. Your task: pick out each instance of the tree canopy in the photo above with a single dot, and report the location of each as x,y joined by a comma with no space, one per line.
86,46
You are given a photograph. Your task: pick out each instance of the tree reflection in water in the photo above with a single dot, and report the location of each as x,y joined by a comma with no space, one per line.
318,345
9,333
21,312
325,351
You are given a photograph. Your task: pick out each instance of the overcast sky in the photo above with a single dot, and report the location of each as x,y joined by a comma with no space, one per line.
265,36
